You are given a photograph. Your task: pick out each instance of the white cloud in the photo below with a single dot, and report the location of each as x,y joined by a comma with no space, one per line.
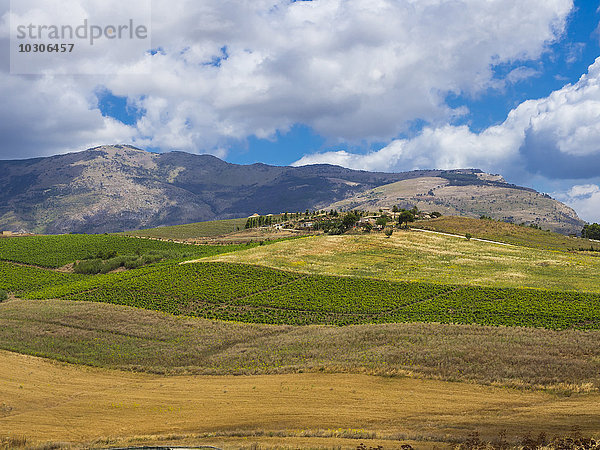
45,116
556,137
585,199
353,71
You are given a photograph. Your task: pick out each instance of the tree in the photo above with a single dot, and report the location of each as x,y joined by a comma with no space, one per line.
436,214
382,221
389,232
3,295
591,231
394,208
406,217
349,220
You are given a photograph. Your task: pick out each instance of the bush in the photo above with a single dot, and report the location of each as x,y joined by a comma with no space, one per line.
88,267
468,236
389,232
3,295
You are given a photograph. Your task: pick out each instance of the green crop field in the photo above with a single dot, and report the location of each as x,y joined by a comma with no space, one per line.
57,251
19,279
193,230
262,295
438,285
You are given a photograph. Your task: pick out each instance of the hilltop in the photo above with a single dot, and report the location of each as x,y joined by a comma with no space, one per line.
117,188
470,193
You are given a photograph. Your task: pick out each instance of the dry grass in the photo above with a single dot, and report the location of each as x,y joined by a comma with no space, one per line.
63,403
417,256
506,232
119,337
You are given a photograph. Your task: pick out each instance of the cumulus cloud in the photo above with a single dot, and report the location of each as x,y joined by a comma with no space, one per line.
45,116
554,137
352,71
585,199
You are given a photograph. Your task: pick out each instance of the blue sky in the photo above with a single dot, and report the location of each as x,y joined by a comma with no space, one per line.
390,85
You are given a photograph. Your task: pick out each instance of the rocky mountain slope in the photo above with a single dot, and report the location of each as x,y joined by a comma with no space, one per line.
115,188
470,193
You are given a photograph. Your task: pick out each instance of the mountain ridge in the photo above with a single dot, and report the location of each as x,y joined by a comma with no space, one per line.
119,187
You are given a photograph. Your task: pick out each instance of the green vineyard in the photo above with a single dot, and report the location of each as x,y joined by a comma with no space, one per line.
19,279
257,294
244,293
57,251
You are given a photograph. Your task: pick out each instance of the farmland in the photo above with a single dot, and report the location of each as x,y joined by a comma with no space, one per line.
57,251
256,294
427,257
499,285
420,309
192,230
102,409
125,338
507,232
18,279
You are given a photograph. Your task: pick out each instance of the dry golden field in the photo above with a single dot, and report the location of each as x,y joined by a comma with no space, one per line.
46,401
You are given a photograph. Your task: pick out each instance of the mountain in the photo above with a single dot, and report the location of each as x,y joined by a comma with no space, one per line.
116,188
470,193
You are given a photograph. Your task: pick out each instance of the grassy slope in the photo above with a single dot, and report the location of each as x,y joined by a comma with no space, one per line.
506,232
415,256
192,230
124,338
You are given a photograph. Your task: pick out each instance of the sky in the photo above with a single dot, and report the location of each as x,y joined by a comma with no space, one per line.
505,86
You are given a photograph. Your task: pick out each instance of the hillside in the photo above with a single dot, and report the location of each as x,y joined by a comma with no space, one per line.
430,258
509,233
117,188
419,309
470,193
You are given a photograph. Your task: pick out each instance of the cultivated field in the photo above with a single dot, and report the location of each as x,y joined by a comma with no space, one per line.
57,251
104,408
442,337
120,337
426,257
192,230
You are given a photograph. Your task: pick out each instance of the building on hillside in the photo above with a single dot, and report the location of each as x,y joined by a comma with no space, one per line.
368,219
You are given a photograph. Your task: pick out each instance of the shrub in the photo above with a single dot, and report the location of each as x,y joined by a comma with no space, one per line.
468,236
3,295
389,232
88,267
